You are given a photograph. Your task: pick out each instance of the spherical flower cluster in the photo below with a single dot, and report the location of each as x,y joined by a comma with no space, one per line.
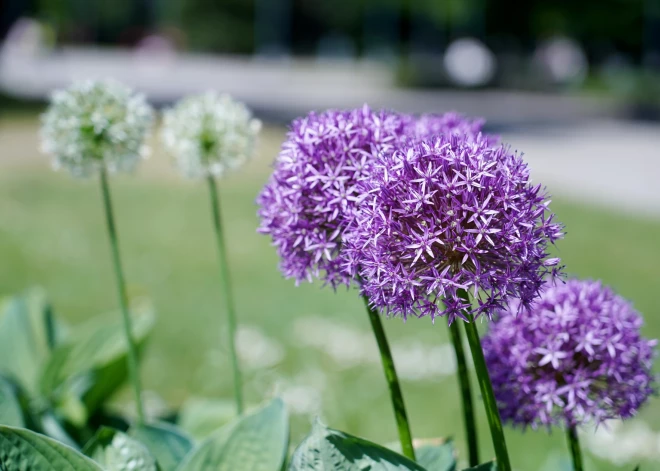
312,195
209,134
575,356
94,125
449,214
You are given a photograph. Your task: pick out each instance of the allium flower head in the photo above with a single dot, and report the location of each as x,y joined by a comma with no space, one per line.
96,124
575,356
209,134
449,213
312,195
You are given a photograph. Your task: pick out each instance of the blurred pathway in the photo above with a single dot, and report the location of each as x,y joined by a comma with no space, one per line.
572,143
277,89
607,162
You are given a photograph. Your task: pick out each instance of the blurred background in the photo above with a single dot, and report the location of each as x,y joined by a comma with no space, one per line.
573,85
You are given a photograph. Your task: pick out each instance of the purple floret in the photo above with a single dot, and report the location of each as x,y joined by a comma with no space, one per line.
576,356
312,196
447,214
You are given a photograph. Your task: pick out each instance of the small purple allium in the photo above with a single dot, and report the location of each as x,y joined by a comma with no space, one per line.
447,214
429,125
312,196
575,356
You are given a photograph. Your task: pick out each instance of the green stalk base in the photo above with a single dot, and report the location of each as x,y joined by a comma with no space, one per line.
469,421
398,405
574,446
225,284
486,387
132,357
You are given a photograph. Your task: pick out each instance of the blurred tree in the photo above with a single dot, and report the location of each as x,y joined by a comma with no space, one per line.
597,24
651,47
314,20
101,22
272,25
209,25
602,26
12,10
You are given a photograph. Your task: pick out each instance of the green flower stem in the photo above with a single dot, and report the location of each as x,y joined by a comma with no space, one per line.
574,445
225,283
466,395
393,382
132,358
492,412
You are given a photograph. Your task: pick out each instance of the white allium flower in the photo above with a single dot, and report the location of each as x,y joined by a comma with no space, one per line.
95,124
209,134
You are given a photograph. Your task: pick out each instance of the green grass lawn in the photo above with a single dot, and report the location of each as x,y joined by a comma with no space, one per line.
52,234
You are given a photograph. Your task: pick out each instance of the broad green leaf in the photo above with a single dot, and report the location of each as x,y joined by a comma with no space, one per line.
200,416
22,450
52,427
257,441
91,365
27,335
433,454
326,449
116,451
436,455
52,375
72,407
10,408
165,442
490,466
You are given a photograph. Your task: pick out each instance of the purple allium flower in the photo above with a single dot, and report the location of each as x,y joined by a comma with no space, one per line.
312,196
450,213
575,356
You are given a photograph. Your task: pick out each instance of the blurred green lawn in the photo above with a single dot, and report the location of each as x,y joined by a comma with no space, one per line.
52,234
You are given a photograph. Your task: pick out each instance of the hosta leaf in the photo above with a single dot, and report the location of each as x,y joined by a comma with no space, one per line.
27,335
257,441
436,455
91,365
116,451
22,450
490,466
10,408
165,442
51,426
433,454
200,416
326,449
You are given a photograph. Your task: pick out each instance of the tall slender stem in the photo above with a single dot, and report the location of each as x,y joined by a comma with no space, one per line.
225,283
466,395
492,412
132,357
574,445
393,382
